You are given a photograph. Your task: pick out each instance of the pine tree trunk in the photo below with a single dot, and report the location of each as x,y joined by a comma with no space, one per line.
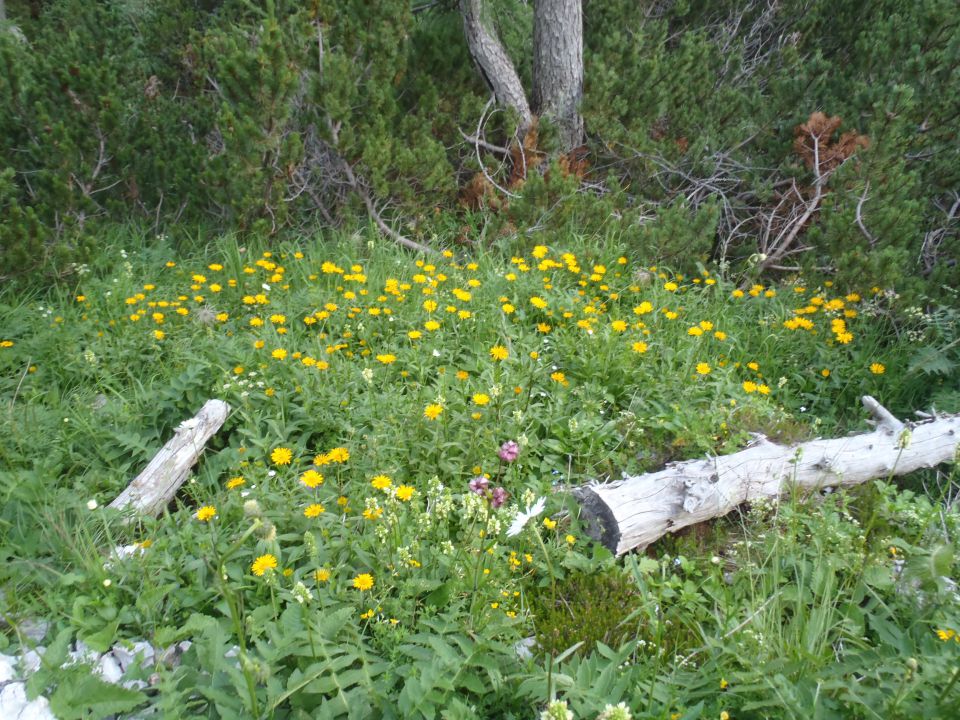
558,67
495,65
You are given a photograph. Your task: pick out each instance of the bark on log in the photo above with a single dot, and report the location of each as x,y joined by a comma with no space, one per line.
154,488
633,512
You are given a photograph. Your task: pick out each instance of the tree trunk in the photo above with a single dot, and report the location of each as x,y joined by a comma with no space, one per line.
494,63
636,511
558,67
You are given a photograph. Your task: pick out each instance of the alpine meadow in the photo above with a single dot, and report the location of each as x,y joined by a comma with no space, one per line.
464,359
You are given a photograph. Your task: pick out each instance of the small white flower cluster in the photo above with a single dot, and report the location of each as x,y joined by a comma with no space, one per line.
301,593
405,555
244,384
439,500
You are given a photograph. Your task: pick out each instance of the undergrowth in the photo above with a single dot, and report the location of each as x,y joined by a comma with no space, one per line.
342,547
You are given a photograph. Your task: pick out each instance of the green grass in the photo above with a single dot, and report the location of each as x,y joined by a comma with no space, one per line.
782,611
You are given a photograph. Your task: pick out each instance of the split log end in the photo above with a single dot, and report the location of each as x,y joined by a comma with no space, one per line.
598,519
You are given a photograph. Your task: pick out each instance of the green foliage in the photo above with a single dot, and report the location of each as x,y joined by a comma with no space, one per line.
775,599
585,609
255,115
715,90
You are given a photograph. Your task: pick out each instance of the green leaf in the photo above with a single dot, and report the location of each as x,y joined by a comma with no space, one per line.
86,696
103,639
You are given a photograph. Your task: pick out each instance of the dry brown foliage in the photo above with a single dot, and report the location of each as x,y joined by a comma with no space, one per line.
525,156
831,153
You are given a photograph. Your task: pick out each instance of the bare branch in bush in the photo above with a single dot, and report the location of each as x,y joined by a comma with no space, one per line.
863,228
360,188
933,239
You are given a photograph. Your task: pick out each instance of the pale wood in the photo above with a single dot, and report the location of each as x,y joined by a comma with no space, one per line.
633,512
153,489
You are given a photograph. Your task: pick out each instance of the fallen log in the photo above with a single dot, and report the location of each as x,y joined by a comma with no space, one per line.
153,489
631,513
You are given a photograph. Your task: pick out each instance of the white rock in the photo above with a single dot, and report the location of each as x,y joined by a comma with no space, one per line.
7,665
126,653
524,648
31,660
36,630
83,653
15,706
110,669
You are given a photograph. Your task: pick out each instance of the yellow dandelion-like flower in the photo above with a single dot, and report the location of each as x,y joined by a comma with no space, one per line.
235,482
314,510
405,492
639,347
559,377
481,399
381,482
279,354
338,455
159,334
549,524
499,352
281,456
312,479
321,575
363,582
431,325
387,358
618,326
262,564
432,411
206,513
703,368
749,386
877,368
763,389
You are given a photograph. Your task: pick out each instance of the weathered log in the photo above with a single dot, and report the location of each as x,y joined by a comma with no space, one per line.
633,512
153,489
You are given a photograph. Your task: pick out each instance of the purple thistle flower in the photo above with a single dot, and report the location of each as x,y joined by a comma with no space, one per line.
499,497
479,485
509,451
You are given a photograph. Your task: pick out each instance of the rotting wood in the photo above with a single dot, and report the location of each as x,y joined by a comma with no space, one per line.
633,512
153,489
